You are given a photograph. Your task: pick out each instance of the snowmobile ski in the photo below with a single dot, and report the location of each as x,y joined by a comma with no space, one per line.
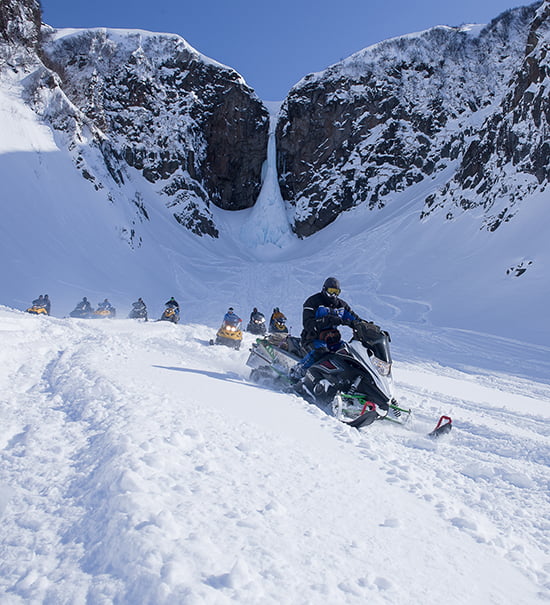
443,426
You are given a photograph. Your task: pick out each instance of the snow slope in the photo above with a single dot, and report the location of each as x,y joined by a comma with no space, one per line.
139,465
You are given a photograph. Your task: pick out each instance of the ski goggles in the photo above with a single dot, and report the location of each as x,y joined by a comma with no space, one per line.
334,291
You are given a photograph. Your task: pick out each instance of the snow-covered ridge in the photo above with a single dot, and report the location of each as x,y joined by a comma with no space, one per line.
120,36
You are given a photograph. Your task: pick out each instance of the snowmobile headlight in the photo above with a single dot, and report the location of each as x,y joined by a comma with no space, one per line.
383,367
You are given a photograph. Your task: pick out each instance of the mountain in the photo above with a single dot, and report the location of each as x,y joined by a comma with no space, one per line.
131,164
393,115
191,126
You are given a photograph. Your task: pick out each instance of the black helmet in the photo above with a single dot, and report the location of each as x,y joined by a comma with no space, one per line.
254,310
331,287
85,299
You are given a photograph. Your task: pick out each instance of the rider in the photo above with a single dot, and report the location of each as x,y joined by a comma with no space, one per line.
256,314
84,305
140,308
47,303
277,317
231,317
172,303
105,305
322,314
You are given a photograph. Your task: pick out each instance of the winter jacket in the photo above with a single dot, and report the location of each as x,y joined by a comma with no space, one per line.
321,313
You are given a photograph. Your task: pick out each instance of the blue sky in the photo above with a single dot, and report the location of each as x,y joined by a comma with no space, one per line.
273,45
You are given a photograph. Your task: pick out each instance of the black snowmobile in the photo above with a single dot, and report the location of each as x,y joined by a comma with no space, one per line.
83,310
353,383
256,325
138,311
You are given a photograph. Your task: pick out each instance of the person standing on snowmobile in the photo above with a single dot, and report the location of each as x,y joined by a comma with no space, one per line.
322,314
47,303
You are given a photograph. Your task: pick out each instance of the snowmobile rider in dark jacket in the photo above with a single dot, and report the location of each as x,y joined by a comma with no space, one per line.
84,305
322,314
256,314
172,303
139,308
105,305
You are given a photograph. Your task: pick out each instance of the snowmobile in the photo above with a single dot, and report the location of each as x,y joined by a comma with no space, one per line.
103,313
138,313
278,326
171,313
230,334
257,325
37,310
81,312
353,383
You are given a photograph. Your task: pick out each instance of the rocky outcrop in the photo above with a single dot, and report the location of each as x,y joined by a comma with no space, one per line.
191,126
392,115
20,22
510,157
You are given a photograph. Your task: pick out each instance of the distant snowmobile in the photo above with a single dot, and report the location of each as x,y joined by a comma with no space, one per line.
354,383
82,310
138,310
230,334
278,325
257,325
170,313
36,309
104,311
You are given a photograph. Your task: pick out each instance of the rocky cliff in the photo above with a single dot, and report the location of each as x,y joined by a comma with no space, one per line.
396,114
19,31
190,125
149,102
509,158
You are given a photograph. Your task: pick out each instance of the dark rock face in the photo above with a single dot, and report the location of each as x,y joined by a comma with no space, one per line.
392,115
19,29
470,104
510,157
189,125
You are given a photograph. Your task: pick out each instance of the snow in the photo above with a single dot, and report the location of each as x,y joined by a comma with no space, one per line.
121,36
139,464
